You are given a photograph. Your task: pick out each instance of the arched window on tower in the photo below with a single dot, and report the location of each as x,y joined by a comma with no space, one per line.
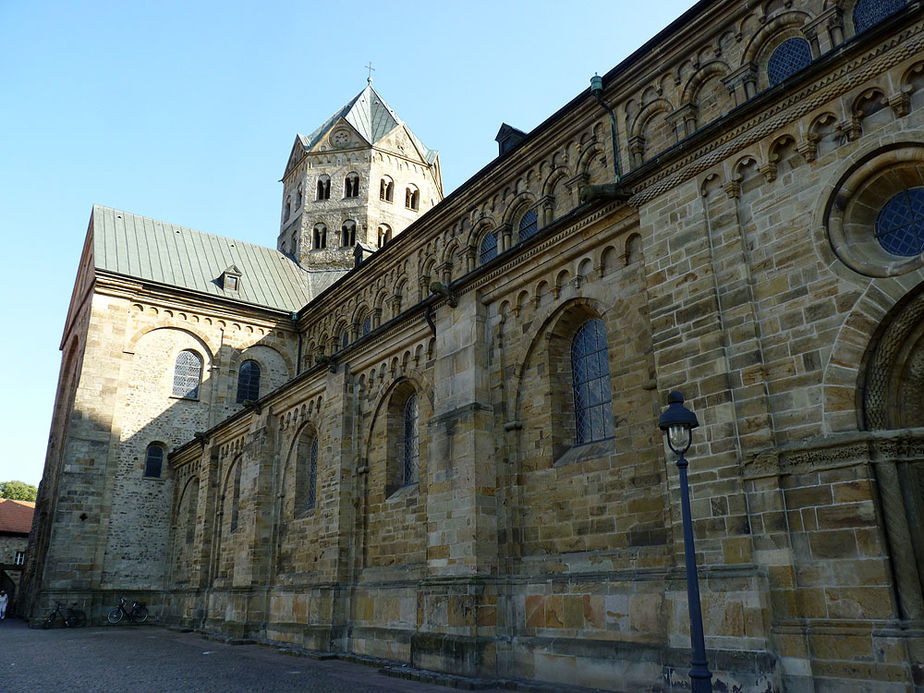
529,225
324,187
298,196
590,374
351,185
154,460
412,198
384,234
287,209
348,234
868,13
320,237
488,248
386,189
187,373
790,57
248,381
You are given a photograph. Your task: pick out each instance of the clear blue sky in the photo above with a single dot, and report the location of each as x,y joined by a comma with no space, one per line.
186,112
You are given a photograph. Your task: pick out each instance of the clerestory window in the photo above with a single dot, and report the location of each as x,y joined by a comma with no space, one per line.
248,381
187,374
154,460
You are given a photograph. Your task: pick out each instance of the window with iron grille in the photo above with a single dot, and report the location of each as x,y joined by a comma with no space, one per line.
411,450
154,460
789,57
187,375
867,13
590,370
248,382
900,224
529,225
488,250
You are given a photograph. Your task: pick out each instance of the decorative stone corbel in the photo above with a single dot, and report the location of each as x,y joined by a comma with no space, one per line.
900,102
850,128
637,149
769,171
733,189
808,148
683,119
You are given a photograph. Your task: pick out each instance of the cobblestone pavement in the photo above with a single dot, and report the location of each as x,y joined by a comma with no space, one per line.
144,659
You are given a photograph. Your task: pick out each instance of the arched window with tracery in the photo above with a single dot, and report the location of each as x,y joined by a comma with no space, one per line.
324,187
348,234
187,374
790,57
590,371
529,225
488,249
351,185
868,13
248,381
411,452
154,460
386,189
320,236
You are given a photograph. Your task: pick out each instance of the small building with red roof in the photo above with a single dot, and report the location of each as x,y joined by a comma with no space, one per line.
15,524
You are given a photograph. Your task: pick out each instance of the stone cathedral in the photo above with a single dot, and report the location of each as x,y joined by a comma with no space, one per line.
423,429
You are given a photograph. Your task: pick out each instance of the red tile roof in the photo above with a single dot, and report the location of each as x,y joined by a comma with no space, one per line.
16,516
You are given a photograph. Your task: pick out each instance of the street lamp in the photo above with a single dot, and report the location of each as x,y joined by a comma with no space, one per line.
678,422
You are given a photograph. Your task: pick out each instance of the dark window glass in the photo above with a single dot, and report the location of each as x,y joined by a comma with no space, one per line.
488,249
367,326
789,57
590,369
248,382
312,480
529,224
154,461
187,374
867,13
411,453
345,339
900,224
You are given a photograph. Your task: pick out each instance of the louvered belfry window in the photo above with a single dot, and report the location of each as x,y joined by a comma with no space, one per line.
529,225
187,374
590,368
488,249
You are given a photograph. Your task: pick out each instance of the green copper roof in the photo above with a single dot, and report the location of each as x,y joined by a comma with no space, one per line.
372,118
152,250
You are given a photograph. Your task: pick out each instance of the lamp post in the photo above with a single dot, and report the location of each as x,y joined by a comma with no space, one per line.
678,422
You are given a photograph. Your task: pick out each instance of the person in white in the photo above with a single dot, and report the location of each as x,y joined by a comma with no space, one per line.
4,600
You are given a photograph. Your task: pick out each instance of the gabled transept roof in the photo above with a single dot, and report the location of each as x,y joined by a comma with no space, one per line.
134,246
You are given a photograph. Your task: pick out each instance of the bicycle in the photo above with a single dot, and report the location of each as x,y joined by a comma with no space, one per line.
72,616
137,613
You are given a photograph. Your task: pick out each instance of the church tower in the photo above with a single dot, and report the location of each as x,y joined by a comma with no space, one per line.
361,178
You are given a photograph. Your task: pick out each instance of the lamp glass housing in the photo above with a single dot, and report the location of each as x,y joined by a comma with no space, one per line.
678,435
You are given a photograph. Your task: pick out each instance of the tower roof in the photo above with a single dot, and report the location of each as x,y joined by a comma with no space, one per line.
372,118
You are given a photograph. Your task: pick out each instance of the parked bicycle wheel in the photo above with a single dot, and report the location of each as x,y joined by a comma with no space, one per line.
114,615
140,614
77,619
49,622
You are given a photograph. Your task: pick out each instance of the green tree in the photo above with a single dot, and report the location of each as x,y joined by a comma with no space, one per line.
17,490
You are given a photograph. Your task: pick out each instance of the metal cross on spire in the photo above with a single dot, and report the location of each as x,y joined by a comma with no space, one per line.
371,70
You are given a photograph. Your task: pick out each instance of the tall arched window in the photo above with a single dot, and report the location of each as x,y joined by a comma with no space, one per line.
320,236
590,372
867,13
387,189
324,187
348,233
287,209
529,225
411,449
306,473
298,196
187,374
789,57
488,249
344,338
351,185
235,494
154,460
412,197
365,326
248,381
